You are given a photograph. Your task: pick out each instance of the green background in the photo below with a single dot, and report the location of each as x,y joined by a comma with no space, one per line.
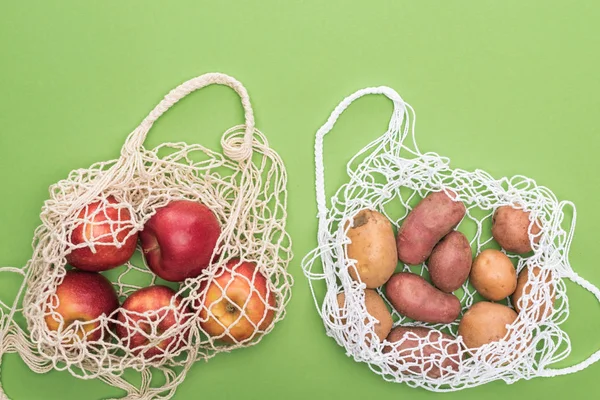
511,87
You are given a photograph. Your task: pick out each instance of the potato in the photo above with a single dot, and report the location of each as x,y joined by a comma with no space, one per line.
485,323
432,219
414,297
539,300
510,228
493,275
373,247
421,357
450,262
377,309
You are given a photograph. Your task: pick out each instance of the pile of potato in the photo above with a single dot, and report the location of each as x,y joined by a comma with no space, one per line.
428,234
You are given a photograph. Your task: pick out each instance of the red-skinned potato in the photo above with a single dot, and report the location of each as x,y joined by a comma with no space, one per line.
414,297
450,262
432,219
421,356
510,228
373,247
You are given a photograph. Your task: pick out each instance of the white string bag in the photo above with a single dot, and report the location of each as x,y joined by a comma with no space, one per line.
391,174
245,189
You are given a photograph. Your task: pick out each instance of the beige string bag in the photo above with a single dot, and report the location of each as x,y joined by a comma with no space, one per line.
245,189
389,175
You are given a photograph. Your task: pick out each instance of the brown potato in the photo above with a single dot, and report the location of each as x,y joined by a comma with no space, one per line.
373,247
414,297
485,323
493,275
450,262
432,219
539,300
510,228
377,309
446,356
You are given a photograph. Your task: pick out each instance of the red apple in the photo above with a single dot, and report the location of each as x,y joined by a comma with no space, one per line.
82,296
233,306
179,240
101,222
153,298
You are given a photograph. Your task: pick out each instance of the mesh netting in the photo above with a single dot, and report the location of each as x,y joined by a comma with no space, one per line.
391,175
245,190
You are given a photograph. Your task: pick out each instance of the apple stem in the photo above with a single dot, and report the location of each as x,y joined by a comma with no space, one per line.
229,308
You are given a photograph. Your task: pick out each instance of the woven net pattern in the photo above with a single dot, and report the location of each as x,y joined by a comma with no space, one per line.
246,190
390,175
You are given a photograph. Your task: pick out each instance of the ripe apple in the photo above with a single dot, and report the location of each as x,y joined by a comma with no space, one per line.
82,296
134,329
100,225
178,241
233,305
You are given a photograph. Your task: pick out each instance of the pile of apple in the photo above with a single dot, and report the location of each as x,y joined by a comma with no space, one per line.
232,304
